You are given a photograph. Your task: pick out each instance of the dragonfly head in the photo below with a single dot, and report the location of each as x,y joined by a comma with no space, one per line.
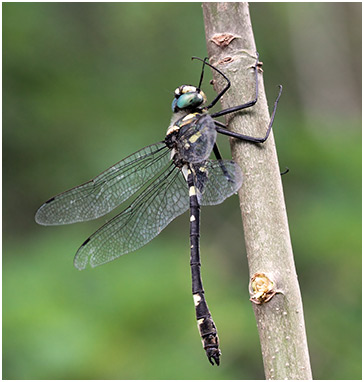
187,97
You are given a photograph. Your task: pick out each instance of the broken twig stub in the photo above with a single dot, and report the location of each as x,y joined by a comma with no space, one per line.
223,39
261,288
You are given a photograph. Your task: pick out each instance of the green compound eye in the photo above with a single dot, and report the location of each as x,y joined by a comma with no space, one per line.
189,100
187,97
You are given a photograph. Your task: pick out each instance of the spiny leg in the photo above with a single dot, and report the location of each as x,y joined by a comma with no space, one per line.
228,83
206,325
217,152
219,158
202,70
221,128
238,107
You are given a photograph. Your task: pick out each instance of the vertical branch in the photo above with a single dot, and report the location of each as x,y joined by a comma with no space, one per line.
273,286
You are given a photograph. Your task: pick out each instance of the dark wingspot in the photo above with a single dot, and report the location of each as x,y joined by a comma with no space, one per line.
85,242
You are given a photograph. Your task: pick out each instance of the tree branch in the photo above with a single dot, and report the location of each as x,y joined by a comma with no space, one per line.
274,286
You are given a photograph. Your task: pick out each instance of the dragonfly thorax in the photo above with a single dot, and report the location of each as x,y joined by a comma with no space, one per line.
179,120
191,137
187,97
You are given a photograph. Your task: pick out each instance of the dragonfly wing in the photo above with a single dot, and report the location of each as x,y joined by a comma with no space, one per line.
222,179
105,192
161,202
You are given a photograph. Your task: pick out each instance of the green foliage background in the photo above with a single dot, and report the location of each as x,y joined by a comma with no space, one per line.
85,84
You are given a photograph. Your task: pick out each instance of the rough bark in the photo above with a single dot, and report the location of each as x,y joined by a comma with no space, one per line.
274,286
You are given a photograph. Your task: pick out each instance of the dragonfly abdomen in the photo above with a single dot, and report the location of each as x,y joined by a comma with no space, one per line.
205,323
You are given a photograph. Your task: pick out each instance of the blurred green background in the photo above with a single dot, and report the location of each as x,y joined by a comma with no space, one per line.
84,85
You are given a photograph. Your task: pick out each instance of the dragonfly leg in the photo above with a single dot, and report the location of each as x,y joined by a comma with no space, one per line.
206,325
202,70
221,128
239,107
217,152
219,158
227,86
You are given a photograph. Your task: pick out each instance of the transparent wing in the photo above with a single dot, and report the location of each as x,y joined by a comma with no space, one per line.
161,202
216,180
105,192
196,139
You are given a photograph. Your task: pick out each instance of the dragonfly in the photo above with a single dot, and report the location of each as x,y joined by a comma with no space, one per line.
168,178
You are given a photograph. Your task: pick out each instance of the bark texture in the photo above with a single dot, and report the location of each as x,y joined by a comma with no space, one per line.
231,47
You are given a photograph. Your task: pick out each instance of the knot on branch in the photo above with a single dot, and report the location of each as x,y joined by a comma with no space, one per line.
261,288
223,39
225,61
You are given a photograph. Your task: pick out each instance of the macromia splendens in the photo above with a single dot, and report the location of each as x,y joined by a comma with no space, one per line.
174,175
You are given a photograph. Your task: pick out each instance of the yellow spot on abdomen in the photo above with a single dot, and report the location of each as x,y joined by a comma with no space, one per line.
196,299
192,191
